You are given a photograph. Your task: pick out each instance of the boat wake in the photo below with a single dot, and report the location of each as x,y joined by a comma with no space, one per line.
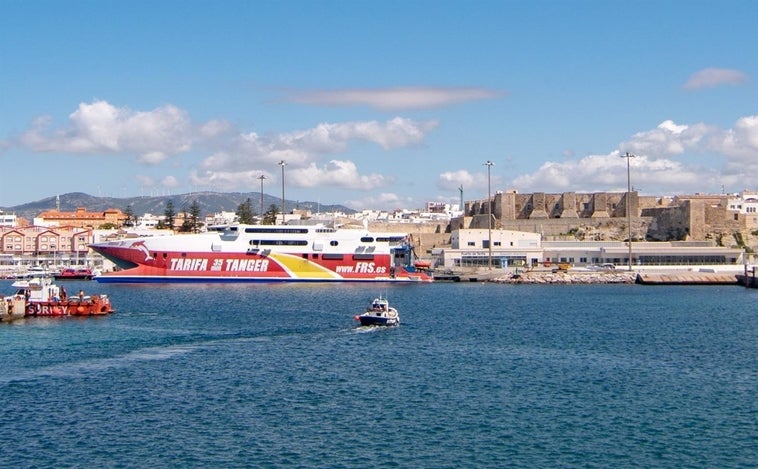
85,367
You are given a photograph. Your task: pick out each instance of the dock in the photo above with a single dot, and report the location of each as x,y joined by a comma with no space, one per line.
687,278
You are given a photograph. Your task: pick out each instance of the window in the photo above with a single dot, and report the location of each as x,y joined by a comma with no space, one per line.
471,243
283,242
277,230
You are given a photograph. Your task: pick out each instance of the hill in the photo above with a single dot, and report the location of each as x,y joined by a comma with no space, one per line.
210,202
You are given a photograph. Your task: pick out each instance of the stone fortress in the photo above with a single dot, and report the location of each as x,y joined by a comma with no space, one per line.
603,216
727,220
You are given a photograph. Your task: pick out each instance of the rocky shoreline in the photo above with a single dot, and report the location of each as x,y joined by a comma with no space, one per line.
567,278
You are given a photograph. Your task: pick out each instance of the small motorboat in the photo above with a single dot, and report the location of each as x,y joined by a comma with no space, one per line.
379,313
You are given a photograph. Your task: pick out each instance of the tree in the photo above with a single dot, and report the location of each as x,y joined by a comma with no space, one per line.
245,213
194,212
170,214
186,225
129,214
269,218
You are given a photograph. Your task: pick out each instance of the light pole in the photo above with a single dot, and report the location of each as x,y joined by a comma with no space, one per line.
628,157
489,165
283,164
262,177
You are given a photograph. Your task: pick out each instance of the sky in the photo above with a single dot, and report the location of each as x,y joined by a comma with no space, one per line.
376,104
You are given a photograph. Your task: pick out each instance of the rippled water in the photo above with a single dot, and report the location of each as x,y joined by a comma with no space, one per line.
477,375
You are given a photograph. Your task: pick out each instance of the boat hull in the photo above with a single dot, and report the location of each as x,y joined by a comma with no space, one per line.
369,320
142,262
92,307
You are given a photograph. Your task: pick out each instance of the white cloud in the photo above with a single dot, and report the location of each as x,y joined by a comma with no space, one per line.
101,128
712,77
388,99
382,201
228,180
600,173
302,150
145,181
731,158
170,182
739,143
668,139
471,182
154,136
336,173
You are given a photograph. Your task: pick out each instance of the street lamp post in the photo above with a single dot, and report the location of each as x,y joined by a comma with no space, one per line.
262,177
628,157
489,165
283,164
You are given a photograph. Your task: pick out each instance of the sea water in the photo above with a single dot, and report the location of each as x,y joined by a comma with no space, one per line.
476,375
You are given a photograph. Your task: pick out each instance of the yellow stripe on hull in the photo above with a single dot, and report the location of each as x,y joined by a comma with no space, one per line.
298,267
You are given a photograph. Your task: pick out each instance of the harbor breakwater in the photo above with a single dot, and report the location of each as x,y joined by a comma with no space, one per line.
567,277
616,277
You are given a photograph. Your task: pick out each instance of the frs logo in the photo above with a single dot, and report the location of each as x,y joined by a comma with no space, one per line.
140,246
368,268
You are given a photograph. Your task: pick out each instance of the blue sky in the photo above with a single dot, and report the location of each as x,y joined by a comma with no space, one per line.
376,104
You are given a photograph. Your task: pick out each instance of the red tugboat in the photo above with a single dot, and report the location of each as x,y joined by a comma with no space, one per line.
43,298
74,274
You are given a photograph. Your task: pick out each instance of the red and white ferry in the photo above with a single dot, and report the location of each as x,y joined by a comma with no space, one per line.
269,253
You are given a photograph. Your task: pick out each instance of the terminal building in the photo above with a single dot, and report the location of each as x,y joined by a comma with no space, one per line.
471,248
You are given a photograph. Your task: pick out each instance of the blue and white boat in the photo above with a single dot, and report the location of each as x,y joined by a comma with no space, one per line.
379,313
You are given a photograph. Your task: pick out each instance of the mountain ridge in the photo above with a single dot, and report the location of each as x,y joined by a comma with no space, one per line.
210,202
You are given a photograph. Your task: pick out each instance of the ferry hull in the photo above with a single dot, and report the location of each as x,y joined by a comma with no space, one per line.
139,265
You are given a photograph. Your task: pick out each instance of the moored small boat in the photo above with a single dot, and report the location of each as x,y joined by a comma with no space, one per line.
74,274
41,297
379,313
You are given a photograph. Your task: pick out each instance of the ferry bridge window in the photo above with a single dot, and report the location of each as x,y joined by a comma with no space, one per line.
283,242
367,239
333,243
277,230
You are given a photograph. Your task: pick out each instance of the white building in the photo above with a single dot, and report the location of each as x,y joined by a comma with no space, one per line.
516,249
7,219
471,248
745,203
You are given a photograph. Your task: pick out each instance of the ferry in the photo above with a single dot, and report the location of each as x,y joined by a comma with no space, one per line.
267,253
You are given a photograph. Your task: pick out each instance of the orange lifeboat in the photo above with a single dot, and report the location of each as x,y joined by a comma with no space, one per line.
422,264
